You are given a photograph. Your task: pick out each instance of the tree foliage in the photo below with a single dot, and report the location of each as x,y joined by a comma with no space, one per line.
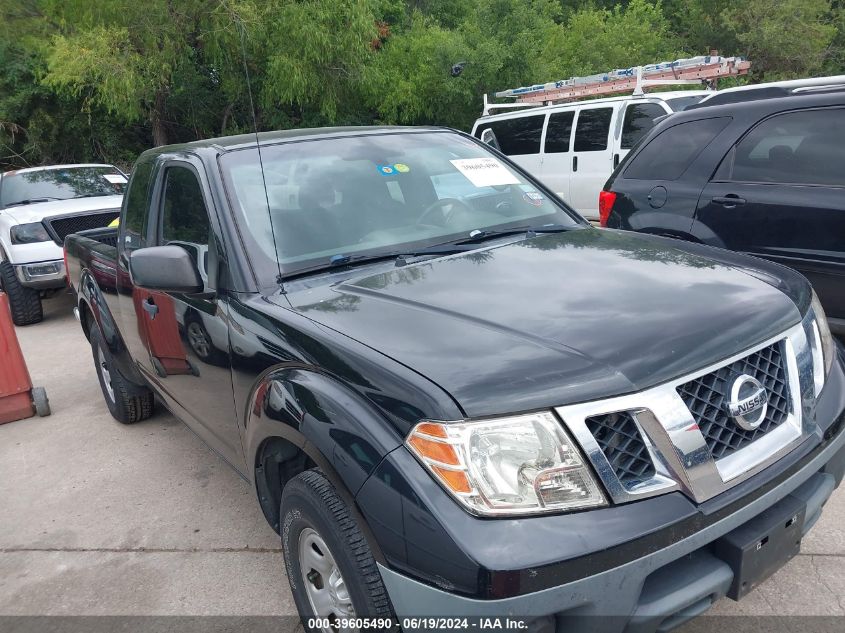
83,80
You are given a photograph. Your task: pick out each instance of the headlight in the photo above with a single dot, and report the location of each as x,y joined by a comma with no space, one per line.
821,343
29,233
524,464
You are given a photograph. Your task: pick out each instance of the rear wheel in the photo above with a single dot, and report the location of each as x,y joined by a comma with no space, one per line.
330,568
127,402
25,303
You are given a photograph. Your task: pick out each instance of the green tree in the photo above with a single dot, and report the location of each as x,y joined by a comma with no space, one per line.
782,38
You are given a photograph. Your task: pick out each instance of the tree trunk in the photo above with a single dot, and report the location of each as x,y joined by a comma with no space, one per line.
157,118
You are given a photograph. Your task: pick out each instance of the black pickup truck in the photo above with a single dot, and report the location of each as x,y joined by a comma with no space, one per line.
453,396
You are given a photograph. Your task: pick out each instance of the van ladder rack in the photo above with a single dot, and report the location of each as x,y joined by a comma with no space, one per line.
694,70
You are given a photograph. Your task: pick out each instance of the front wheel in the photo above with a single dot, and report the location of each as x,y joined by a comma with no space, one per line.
330,567
25,303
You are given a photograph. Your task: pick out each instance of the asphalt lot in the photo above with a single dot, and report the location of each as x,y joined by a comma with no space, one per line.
97,518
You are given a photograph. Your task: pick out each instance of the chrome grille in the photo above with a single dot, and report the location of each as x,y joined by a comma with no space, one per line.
621,442
61,226
707,396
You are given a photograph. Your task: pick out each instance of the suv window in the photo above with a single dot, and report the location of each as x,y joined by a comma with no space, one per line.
668,155
517,136
184,218
806,147
592,129
558,132
639,119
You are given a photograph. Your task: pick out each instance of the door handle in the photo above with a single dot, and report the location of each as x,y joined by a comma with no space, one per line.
150,307
574,163
728,201
615,161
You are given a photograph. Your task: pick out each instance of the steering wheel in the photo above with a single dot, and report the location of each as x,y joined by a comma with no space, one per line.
442,204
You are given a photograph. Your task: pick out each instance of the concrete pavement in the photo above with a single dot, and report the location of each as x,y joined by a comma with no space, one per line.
97,518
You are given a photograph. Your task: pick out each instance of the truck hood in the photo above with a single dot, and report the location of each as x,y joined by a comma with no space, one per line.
25,213
555,319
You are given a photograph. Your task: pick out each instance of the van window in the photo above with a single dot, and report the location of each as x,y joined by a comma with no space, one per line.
558,132
639,119
805,148
670,153
592,129
516,136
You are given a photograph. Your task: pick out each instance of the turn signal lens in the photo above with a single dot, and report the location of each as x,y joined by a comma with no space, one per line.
517,465
821,343
606,201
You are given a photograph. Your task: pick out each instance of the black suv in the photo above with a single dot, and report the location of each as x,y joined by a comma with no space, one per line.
765,176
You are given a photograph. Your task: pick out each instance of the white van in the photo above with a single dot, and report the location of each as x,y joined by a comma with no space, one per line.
573,147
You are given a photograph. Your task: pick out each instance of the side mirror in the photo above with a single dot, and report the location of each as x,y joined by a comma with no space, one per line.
165,268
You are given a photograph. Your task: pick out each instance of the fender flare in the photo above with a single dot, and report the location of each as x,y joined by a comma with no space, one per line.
91,299
332,425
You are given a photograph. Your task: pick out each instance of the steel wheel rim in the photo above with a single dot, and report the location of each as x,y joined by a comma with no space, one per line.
105,373
321,577
198,340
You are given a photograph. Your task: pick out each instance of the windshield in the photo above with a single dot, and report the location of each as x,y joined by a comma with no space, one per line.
62,183
376,194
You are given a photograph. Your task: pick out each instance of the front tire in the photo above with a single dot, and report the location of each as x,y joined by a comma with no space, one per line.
25,303
330,567
127,402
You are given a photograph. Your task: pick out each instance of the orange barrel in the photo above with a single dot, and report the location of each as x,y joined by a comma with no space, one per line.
15,384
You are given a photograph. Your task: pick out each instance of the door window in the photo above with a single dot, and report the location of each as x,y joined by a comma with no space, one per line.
806,147
558,132
639,119
516,137
668,155
184,217
592,129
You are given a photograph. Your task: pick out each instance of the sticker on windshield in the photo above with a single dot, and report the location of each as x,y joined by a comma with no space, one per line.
402,168
485,172
386,170
115,179
533,197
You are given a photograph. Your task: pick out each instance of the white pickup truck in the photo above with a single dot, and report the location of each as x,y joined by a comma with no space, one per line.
39,206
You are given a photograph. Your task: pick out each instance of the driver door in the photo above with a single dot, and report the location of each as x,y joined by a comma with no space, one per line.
188,335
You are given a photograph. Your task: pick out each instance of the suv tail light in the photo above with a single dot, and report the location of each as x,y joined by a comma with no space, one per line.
606,200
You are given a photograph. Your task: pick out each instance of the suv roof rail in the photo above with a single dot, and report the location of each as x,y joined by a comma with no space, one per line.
771,90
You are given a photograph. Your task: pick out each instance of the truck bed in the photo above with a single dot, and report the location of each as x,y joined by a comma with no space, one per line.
94,250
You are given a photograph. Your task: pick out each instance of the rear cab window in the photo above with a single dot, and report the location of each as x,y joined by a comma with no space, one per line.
669,154
517,136
803,147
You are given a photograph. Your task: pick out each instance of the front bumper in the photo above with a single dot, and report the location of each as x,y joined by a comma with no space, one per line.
649,581
42,275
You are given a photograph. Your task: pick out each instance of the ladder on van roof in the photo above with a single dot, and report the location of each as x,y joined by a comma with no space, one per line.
693,70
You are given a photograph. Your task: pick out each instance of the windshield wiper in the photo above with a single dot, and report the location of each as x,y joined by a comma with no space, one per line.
32,201
345,261
94,195
480,236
